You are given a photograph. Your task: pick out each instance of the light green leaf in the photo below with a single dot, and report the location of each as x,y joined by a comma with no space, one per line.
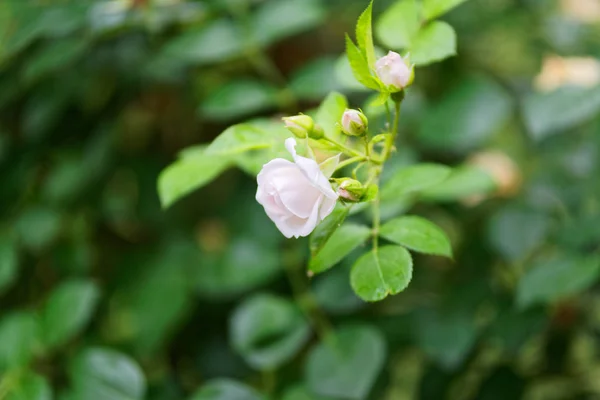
434,42
347,365
364,35
416,178
557,277
244,137
339,245
103,374
30,386
268,331
188,174
462,183
198,46
80,298
226,389
466,117
434,8
330,114
359,65
550,113
9,261
239,98
381,272
326,228
417,234
277,20
19,339
398,25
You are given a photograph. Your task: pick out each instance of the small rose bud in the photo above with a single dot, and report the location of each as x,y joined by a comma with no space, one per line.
354,123
352,191
300,125
394,71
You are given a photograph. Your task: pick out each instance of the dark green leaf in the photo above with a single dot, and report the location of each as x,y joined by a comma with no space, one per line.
277,20
313,81
268,331
300,392
30,386
346,365
80,298
381,272
239,98
557,277
103,374
37,227
417,234
53,57
326,228
466,117
340,244
226,389
9,261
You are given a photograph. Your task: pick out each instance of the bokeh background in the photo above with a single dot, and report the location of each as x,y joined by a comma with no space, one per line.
106,296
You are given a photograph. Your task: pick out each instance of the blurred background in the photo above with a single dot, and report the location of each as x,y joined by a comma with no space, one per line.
106,296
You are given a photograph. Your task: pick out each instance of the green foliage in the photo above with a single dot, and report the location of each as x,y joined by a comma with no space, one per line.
134,258
347,364
381,272
417,234
268,331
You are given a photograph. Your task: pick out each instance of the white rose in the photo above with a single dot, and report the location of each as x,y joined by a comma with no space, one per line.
393,70
296,195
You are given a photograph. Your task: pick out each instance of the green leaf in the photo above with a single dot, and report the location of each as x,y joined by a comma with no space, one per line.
347,364
239,98
330,114
359,65
556,277
462,183
300,392
381,272
268,331
188,174
19,339
198,46
226,389
313,80
434,42
398,25
364,35
417,234
245,137
54,56
9,261
277,20
515,231
103,374
345,76
30,386
467,117
550,113
38,227
80,298
416,178
326,228
339,245
334,293
434,8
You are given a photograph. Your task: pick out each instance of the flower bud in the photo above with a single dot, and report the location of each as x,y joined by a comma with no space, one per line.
300,125
354,123
394,71
352,191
